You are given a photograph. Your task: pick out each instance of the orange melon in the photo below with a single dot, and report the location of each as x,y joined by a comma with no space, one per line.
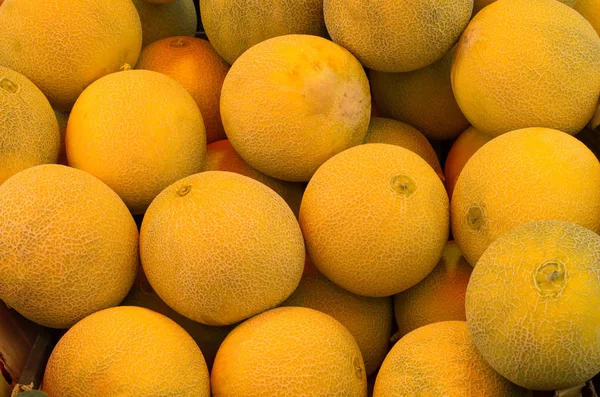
590,9
479,4
161,20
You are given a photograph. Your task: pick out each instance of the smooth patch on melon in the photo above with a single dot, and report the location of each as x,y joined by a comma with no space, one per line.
166,19
289,352
29,134
523,176
138,131
590,10
523,64
532,305
290,103
375,219
440,359
126,351
65,45
69,246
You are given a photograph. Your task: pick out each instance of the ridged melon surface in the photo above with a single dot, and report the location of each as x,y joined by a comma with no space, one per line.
233,26
29,134
375,219
523,176
523,64
166,19
397,36
219,247
290,103
65,45
138,131
532,305
289,352
126,351
440,359
590,9
69,246
479,4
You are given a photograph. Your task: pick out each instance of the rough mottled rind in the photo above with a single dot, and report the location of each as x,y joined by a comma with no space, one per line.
590,9
522,176
219,247
68,245
440,359
526,64
166,19
289,352
375,219
292,102
126,351
479,4
233,26
65,45
29,134
369,320
537,328
397,36
138,131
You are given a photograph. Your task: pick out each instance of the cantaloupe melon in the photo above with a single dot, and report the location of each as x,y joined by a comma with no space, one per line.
220,156
289,352
526,64
166,19
532,305
291,102
138,131
522,176
375,219
590,9
126,351
198,68
69,245
63,120
65,45
440,359
392,36
233,26
369,320
29,133
422,98
479,4
219,247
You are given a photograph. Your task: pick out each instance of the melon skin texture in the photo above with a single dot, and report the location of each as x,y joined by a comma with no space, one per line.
65,45
138,131
375,219
126,351
29,134
233,26
290,103
289,352
523,64
372,32
440,359
219,247
166,19
69,245
523,176
532,305
590,9
479,4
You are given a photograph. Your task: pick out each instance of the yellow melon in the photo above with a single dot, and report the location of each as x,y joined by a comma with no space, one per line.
439,297
69,245
526,64
138,131
289,352
233,26
29,133
479,4
219,247
369,320
126,351
375,219
384,130
372,32
63,120
461,151
198,68
590,9
166,19
65,45
532,305
440,359
220,156
522,176
422,98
